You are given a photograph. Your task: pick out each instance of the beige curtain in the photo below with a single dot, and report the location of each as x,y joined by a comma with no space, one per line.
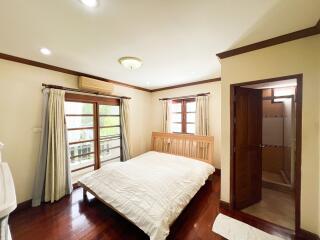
166,113
202,115
57,175
124,120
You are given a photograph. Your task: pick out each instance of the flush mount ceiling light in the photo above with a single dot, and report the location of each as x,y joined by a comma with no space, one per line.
45,51
130,63
90,3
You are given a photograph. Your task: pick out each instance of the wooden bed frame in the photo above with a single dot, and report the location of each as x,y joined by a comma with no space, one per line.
192,146
187,145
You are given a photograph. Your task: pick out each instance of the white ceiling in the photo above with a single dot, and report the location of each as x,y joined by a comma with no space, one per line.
176,39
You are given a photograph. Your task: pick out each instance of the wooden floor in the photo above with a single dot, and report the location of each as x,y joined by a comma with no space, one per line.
72,218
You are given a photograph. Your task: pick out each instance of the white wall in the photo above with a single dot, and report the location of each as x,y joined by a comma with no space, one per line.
300,56
214,114
20,117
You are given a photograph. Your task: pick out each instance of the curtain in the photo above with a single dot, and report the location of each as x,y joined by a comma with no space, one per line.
53,178
124,121
166,114
202,115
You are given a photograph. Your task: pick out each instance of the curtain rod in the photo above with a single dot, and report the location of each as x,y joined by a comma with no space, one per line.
82,91
182,97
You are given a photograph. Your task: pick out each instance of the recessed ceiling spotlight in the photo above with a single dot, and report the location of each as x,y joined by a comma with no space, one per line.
90,3
130,63
45,51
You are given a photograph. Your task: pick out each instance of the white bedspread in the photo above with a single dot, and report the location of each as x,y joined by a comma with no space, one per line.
151,190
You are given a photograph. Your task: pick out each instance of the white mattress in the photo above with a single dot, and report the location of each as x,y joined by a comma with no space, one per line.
150,190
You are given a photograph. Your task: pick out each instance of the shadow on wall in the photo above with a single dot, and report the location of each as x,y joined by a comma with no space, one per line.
257,31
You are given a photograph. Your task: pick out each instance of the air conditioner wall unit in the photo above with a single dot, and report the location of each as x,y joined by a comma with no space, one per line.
90,84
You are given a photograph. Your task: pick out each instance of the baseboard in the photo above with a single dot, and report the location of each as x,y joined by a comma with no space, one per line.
306,235
23,206
224,205
278,187
217,172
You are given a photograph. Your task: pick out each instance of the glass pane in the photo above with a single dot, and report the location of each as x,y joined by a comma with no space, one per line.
176,107
176,127
107,155
81,148
78,174
78,108
80,135
109,121
104,132
191,128
82,161
191,106
79,122
110,161
191,117
284,91
176,117
106,144
108,110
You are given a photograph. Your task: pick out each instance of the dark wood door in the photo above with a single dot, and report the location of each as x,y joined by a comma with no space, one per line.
248,144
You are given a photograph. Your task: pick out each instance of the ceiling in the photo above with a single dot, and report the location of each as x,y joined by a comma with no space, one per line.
176,39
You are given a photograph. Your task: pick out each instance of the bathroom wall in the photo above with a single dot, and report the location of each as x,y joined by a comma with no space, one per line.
272,135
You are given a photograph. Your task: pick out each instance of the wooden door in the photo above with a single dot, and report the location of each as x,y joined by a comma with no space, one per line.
247,147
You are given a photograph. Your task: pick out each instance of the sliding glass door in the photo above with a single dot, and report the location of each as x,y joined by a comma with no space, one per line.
109,133
93,129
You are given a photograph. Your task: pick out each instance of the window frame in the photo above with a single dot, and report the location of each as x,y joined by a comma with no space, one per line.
96,101
183,113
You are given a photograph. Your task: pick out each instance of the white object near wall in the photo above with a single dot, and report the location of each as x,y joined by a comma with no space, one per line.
8,200
1,146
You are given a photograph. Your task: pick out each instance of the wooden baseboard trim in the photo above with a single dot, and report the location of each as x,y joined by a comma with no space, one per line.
277,187
217,172
23,206
224,205
306,235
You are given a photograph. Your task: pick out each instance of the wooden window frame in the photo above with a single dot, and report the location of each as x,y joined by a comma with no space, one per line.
183,113
96,101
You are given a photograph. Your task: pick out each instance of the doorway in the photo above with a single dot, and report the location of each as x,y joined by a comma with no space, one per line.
266,149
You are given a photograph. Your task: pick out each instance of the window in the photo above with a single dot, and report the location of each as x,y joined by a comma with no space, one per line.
183,116
93,129
285,92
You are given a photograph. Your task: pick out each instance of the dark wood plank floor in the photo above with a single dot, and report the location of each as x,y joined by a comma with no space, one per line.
72,218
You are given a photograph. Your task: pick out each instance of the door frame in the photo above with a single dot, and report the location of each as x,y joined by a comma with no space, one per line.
297,182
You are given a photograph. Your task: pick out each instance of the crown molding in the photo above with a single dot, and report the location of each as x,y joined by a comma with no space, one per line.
272,41
187,84
65,70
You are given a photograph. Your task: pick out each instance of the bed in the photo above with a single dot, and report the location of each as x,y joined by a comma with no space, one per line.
152,189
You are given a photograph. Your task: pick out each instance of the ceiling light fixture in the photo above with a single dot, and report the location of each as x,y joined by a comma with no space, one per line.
90,3
45,51
130,63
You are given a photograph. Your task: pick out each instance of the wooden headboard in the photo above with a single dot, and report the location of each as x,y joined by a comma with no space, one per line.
192,146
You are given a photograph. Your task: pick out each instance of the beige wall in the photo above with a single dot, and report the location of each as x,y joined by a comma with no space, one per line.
214,114
300,56
20,118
